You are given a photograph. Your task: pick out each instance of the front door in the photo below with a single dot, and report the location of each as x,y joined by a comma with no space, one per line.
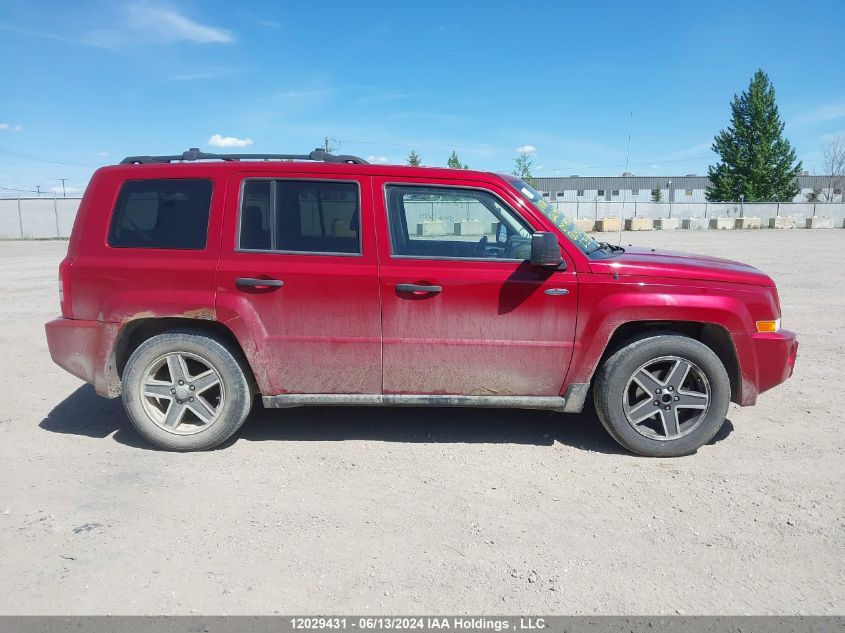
298,280
463,312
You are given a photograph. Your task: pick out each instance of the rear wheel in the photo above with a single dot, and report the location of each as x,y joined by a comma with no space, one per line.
662,395
185,391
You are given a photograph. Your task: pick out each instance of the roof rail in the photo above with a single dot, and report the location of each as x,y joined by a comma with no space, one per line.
194,153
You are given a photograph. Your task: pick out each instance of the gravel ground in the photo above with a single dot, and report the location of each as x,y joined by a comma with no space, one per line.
427,511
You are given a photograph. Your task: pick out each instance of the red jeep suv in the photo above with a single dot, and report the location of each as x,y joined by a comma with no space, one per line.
194,283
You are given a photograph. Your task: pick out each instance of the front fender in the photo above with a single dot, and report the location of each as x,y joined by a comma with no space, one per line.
606,304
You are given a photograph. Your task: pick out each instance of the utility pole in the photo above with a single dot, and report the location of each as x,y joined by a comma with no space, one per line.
38,190
63,187
330,143
669,195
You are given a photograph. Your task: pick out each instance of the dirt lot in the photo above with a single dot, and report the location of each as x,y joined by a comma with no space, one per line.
427,511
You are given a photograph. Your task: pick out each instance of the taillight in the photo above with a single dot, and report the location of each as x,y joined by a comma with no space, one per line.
64,289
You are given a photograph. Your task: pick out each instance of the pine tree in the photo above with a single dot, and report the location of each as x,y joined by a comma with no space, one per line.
454,162
522,168
656,195
756,161
414,159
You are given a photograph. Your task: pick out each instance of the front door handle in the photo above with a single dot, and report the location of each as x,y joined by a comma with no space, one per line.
418,288
255,282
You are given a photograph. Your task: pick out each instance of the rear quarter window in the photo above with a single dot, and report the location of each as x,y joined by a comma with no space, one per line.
165,213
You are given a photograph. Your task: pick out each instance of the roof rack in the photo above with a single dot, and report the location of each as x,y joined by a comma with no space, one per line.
194,153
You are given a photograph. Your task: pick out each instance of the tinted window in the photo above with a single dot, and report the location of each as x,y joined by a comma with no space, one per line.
161,214
439,222
306,216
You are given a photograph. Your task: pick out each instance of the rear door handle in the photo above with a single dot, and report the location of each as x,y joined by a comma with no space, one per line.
556,292
254,282
418,288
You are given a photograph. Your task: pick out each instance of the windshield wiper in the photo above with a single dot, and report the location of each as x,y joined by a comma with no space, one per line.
611,248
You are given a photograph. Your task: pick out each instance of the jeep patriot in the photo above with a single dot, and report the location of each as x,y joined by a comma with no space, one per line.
195,283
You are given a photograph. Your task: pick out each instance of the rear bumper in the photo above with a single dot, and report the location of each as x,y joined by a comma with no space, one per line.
766,359
84,348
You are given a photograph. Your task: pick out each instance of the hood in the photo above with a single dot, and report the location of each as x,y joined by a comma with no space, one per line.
647,262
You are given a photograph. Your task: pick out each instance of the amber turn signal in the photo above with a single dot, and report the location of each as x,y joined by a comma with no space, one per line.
768,326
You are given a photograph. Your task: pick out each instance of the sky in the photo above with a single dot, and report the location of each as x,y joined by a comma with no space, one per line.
85,84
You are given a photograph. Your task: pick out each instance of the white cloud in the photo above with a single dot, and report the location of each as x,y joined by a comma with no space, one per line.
10,127
172,25
526,149
820,114
102,153
228,141
377,159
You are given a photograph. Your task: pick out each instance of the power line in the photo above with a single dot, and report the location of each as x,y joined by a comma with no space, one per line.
20,190
42,159
648,162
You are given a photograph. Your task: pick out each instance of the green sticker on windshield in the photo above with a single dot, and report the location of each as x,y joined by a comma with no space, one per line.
570,230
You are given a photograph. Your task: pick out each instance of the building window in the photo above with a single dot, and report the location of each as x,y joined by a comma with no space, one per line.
601,193
688,192
635,192
837,192
545,194
559,194
615,192
580,193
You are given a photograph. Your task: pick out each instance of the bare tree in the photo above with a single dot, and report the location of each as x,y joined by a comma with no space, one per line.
833,164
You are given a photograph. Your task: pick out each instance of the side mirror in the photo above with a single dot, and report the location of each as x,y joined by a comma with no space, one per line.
545,251
501,233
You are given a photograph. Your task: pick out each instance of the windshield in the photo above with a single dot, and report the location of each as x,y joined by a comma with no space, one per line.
575,234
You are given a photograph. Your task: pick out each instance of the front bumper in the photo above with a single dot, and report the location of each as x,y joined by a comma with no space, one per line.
766,359
84,348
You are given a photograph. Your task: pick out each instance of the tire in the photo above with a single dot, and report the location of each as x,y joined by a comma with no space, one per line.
209,405
684,410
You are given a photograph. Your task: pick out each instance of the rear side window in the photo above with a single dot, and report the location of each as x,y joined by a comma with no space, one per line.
171,213
300,216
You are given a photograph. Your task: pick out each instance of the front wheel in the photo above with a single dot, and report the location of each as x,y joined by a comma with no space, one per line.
662,395
185,391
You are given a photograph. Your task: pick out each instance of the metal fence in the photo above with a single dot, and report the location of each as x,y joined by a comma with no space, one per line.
681,210
37,218
50,218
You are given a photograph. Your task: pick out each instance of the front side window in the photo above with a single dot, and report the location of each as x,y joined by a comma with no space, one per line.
165,213
447,223
300,216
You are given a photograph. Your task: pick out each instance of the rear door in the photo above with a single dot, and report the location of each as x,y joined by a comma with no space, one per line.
463,311
298,281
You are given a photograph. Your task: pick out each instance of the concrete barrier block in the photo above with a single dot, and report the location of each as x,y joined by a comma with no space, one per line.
721,224
639,224
666,224
586,225
695,224
782,222
607,225
747,223
468,227
818,222
431,228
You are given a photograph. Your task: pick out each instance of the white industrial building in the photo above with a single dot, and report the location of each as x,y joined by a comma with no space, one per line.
689,188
